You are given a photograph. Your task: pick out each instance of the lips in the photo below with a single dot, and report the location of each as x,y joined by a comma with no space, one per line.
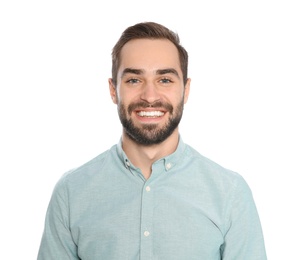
144,109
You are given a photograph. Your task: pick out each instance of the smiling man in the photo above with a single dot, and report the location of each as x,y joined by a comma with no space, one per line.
151,196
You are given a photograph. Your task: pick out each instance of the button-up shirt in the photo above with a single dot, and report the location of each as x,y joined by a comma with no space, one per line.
190,208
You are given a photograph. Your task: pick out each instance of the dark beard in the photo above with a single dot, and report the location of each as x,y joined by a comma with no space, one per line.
150,134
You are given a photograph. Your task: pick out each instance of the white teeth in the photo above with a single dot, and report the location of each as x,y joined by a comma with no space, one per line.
150,113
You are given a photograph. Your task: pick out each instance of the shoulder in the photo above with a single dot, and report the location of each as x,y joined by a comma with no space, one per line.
89,170
213,172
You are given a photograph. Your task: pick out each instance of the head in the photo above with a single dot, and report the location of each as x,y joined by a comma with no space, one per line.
149,82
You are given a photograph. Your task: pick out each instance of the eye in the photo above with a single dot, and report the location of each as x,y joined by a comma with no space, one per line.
166,80
133,81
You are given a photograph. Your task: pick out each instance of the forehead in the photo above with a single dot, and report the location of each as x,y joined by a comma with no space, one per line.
149,54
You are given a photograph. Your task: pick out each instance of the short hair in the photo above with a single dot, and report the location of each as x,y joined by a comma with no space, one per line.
148,30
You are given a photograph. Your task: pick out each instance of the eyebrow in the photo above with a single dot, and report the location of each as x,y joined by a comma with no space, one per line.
131,71
158,72
167,71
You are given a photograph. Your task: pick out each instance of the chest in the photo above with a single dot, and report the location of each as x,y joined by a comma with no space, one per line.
156,220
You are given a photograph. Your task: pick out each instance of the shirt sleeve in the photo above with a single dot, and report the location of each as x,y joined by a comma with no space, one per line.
57,242
244,237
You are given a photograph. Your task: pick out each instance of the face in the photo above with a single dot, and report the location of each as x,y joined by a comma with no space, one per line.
150,93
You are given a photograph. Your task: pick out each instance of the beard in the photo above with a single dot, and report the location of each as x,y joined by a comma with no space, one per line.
150,134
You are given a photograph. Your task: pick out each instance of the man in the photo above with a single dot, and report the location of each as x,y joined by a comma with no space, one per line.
151,196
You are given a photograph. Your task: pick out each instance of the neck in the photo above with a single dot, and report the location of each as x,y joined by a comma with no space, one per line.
143,156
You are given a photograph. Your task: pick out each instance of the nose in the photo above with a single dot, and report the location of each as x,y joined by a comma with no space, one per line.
150,93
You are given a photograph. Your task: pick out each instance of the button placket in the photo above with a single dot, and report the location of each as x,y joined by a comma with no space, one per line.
146,223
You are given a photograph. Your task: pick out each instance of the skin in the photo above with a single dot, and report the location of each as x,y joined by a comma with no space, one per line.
149,73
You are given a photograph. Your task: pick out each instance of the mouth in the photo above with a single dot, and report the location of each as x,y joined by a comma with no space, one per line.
150,114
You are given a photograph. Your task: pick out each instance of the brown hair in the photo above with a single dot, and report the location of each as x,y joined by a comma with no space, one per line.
148,30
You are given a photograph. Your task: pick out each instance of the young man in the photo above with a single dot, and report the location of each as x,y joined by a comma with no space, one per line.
151,196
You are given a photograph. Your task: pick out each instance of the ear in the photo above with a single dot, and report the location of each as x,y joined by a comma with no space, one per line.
187,90
112,89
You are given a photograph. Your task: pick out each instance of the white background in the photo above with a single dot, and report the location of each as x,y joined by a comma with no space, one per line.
56,112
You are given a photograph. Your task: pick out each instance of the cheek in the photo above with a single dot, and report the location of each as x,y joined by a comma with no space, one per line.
176,99
127,97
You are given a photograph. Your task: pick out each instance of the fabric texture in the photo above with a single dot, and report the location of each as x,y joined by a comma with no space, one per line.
190,208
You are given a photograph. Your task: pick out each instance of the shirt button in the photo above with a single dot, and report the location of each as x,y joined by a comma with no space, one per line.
148,188
127,164
146,233
168,166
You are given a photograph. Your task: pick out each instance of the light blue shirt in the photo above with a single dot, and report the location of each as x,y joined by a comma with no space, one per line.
189,209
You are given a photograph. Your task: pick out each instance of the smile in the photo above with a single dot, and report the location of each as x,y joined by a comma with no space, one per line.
150,113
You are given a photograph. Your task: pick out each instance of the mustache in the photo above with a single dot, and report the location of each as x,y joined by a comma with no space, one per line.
143,104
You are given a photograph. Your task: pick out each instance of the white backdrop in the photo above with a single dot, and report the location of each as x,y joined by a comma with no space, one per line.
56,112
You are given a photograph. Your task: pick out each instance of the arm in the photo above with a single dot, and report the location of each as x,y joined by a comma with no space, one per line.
57,242
244,238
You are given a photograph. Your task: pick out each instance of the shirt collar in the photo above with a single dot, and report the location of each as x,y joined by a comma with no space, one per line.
169,161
